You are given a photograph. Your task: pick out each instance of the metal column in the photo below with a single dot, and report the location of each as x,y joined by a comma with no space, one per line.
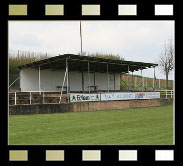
132,81
114,82
89,76
142,80
81,39
67,80
108,77
94,79
39,77
128,77
82,81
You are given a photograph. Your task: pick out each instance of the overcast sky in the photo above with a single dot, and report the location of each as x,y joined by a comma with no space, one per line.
133,40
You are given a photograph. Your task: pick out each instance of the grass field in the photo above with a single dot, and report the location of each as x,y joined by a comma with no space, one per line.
153,125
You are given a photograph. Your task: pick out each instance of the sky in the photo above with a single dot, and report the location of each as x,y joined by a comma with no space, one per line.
140,41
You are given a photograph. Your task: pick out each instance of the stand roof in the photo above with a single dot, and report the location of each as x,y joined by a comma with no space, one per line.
80,63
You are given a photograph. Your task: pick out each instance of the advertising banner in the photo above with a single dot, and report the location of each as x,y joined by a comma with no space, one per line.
141,95
152,95
79,97
117,96
76,97
147,95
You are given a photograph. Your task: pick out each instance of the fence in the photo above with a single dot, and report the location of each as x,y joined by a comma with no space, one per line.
28,98
21,98
166,93
137,82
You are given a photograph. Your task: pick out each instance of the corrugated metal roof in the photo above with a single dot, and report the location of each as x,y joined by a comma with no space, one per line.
80,63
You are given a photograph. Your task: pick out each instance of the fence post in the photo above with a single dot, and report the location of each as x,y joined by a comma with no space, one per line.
171,93
15,98
166,93
30,98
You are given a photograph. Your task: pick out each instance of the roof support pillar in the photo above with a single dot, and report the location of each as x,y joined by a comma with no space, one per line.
63,83
132,81
39,76
82,81
114,82
67,69
107,77
89,76
94,79
128,77
81,39
142,80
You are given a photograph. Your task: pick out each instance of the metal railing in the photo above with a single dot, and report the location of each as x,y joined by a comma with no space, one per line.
34,97
166,93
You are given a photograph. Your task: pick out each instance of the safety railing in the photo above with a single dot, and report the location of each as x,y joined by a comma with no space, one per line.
166,93
29,98
23,98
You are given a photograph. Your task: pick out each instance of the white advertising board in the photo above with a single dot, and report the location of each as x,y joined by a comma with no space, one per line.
147,95
141,95
117,96
79,97
152,95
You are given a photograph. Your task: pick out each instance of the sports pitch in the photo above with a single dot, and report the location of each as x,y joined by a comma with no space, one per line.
140,126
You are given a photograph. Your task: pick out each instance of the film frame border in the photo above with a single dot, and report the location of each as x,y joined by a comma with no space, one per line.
145,154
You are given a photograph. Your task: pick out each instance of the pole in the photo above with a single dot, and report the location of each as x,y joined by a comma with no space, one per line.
67,80
159,84
142,80
30,98
128,78
132,81
14,81
39,77
94,81
114,82
81,38
63,84
107,77
82,81
89,76
15,98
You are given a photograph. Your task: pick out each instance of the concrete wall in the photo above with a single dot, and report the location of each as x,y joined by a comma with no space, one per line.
29,80
50,79
85,106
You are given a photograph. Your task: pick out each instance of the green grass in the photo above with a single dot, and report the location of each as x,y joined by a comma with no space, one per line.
142,126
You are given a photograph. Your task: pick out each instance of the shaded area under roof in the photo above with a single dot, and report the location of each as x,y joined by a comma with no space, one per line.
80,63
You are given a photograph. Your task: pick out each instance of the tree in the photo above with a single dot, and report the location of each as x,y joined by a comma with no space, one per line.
166,60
